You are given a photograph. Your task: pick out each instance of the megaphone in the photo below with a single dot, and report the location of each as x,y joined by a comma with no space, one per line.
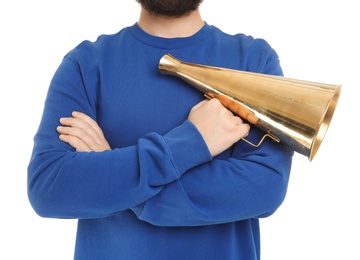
292,111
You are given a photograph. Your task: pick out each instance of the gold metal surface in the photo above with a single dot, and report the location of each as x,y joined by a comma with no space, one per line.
296,112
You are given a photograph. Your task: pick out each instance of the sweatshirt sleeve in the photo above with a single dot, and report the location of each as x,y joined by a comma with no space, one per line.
63,183
252,183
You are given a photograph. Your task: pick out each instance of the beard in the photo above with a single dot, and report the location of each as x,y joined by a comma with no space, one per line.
170,8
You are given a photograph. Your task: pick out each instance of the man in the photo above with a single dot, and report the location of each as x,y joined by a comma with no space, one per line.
150,168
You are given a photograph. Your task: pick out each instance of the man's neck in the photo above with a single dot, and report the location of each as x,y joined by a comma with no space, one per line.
171,27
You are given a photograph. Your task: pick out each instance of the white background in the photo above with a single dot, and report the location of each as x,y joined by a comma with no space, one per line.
317,40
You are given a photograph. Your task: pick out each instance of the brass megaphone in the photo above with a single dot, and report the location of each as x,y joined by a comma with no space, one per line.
292,111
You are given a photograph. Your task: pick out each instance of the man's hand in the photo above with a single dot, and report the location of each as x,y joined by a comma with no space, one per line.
219,127
83,133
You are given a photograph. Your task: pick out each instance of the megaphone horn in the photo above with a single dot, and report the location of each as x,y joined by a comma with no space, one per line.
295,112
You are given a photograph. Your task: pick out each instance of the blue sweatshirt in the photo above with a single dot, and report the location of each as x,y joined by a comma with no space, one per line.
158,194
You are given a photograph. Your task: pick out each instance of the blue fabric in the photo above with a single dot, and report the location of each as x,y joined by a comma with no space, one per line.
157,194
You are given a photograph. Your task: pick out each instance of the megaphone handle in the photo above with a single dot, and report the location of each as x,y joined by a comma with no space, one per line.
235,108
262,139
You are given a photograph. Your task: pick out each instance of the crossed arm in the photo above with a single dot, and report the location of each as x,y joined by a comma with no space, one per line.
246,183
217,125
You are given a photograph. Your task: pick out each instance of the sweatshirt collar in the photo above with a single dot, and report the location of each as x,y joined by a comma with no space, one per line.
169,43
